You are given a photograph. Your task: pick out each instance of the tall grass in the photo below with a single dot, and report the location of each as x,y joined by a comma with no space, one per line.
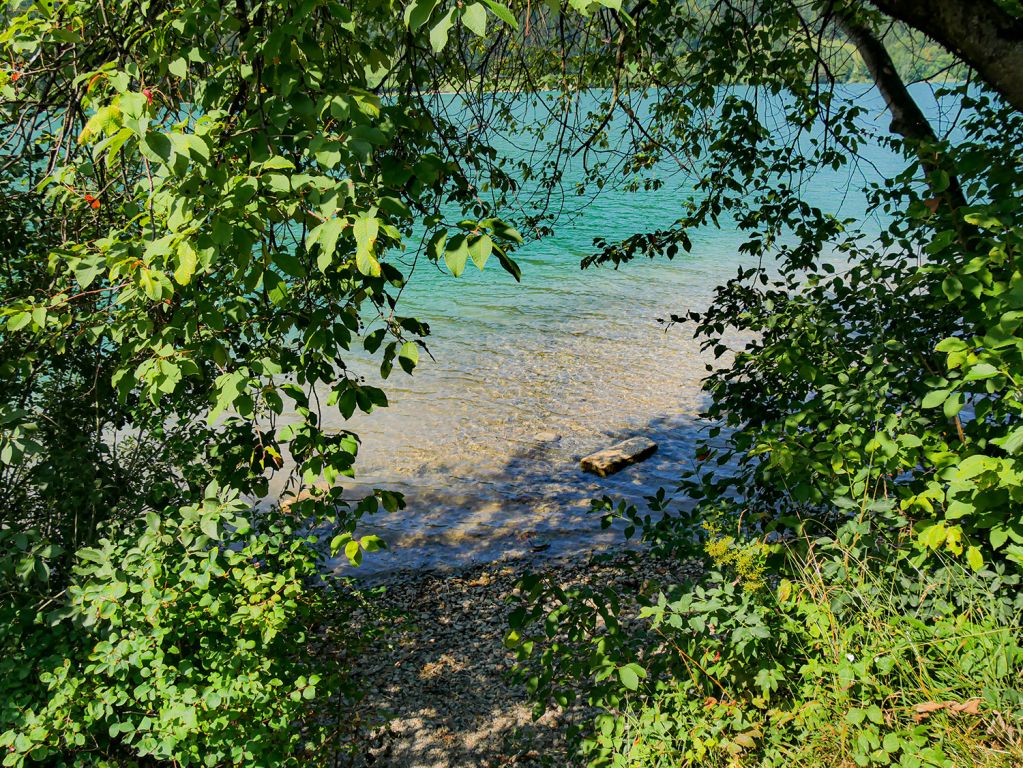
858,661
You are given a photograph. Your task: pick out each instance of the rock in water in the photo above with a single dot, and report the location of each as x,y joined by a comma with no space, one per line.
617,457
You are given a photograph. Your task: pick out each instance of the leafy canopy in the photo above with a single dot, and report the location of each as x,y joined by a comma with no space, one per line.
210,205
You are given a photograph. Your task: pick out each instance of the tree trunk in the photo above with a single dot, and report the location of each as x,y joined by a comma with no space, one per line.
907,119
984,35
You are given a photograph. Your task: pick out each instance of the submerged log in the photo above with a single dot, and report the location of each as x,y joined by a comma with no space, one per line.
619,456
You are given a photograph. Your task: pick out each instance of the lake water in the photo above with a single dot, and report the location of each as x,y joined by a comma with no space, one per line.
485,439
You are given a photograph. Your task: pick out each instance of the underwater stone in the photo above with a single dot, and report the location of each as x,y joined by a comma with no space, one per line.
619,456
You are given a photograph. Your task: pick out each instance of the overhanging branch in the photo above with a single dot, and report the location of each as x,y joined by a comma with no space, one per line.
982,33
908,119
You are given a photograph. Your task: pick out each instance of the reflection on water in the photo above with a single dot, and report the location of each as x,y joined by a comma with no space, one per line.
485,439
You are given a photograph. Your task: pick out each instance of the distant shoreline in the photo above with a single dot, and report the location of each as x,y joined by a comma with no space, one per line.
519,91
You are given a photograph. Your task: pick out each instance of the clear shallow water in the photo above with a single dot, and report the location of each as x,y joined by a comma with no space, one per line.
485,439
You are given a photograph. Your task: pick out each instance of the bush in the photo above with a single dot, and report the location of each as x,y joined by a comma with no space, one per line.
186,639
205,208
856,659
857,506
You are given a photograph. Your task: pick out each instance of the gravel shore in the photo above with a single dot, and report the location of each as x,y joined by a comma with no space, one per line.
439,694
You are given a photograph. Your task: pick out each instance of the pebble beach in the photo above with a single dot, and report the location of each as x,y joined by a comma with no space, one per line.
439,689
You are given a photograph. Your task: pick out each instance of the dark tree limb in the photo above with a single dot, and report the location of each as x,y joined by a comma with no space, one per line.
907,118
980,32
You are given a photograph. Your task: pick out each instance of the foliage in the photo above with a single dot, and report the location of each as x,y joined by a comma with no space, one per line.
862,365
866,429
866,365
210,206
857,659
890,379
213,207
175,642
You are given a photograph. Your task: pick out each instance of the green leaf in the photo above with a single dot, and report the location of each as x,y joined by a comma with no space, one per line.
502,12
744,740
439,33
418,12
19,320
983,220
976,464
630,675
475,18
957,509
395,207
952,287
353,552
289,264
276,288
187,261
503,229
328,154
953,405
408,357
86,270
435,246
509,265
156,147
134,106
456,254
975,558
480,248
91,554
374,339
278,163
1012,442
105,119
890,743
208,525
629,678
934,398
998,535
366,229
951,344
179,68
325,235
934,535
980,371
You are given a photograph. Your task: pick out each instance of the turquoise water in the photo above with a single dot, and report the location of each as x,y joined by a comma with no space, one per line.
525,379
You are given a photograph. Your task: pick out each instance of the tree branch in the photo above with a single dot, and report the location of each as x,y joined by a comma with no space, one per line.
980,32
907,118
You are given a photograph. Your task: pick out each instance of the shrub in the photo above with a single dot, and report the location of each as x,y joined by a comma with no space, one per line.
856,659
186,639
203,203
